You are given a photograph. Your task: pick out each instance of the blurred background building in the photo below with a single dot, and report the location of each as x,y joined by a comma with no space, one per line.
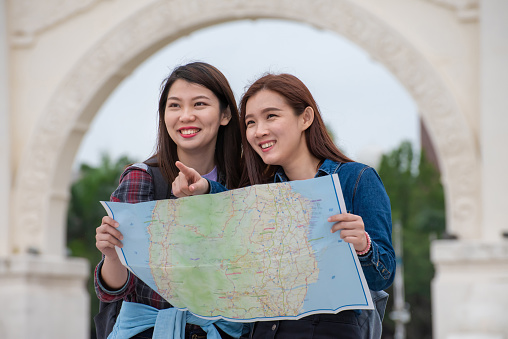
60,60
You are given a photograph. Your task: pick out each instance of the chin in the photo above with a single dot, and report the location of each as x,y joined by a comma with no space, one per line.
270,162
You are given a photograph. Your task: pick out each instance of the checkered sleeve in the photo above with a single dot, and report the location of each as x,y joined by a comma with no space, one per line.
135,186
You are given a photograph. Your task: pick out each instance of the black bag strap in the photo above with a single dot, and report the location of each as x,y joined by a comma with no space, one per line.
161,189
106,318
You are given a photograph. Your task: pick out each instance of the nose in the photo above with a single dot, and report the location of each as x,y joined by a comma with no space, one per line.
260,131
187,115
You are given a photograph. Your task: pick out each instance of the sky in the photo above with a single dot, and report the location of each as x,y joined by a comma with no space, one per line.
368,111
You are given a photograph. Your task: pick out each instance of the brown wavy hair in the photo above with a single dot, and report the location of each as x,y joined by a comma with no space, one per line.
228,156
298,96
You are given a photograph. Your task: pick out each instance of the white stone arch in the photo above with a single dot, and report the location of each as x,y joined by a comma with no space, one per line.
41,187
449,54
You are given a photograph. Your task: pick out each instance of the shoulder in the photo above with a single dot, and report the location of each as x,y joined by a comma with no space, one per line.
356,173
356,169
135,170
139,166
136,185
352,167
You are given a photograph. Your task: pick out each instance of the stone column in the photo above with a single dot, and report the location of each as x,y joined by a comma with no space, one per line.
5,154
494,116
44,297
470,288
41,296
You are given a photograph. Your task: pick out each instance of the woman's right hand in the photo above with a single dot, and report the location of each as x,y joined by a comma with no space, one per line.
107,237
188,182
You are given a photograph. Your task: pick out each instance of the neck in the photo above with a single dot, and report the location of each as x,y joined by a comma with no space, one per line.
202,162
303,168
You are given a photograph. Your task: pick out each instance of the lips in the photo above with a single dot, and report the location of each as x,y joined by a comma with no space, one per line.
267,145
188,132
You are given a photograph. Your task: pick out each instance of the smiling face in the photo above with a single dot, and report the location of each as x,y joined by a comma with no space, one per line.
274,131
193,117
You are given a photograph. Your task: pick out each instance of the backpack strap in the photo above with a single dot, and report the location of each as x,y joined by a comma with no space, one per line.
161,189
106,318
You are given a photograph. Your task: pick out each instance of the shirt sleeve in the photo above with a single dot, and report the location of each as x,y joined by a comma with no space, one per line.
136,185
371,202
216,187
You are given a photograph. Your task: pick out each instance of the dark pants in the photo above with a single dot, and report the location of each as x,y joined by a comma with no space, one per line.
343,325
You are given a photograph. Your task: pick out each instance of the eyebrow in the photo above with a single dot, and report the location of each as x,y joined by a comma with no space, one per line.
264,110
194,98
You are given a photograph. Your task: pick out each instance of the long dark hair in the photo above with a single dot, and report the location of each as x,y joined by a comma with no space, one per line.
298,96
228,146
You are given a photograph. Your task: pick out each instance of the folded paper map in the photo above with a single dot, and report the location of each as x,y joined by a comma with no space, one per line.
258,253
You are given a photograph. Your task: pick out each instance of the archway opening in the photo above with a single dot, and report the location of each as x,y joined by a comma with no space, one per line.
349,86
367,110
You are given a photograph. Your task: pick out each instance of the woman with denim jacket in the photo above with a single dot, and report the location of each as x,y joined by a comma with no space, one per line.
285,139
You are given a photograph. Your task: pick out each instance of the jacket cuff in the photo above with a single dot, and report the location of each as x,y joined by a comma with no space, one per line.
100,284
371,257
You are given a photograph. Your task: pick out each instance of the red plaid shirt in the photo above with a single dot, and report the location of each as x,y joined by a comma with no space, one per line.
136,185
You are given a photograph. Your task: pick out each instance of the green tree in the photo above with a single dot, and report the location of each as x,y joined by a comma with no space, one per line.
85,214
417,201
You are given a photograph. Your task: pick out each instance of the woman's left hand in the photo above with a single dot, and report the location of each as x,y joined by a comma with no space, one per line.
352,229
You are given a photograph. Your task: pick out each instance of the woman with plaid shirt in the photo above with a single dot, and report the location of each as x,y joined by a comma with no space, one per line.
198,126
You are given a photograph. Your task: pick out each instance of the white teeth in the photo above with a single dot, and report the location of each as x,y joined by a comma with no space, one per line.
189,131
268,144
